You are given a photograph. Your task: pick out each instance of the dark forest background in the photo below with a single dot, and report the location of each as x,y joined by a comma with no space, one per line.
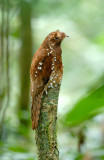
23,26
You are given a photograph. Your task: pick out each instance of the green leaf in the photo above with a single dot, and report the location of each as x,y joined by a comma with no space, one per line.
99,39
87,107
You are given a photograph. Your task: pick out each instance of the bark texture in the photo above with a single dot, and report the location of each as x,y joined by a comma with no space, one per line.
46,133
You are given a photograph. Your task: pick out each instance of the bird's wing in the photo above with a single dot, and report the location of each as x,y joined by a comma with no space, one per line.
40,74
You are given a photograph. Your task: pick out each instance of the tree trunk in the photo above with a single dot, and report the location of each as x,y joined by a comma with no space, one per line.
46,133
2,5
3,109
25,60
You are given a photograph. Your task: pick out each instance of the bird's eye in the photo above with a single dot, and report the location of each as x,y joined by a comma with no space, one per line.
56,37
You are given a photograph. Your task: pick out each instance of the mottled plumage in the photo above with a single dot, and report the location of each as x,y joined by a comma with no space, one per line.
46,71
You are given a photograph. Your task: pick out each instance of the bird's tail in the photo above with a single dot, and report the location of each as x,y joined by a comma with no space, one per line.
35,111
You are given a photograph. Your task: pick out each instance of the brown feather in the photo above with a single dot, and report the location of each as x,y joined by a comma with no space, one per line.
35,111
46,71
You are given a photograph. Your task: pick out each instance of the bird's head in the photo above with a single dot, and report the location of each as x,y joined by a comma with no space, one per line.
55,38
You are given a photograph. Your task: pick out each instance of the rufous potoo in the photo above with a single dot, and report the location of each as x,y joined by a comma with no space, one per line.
46,71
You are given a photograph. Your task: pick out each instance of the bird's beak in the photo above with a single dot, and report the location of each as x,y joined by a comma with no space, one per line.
63,35
67,36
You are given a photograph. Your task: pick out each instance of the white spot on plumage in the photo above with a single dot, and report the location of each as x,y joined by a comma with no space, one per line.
40,68
46,92
48,54
52,68
50,47
55,59
40,63
51,84
51,78
35,71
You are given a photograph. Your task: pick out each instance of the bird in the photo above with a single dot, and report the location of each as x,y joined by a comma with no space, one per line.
46,71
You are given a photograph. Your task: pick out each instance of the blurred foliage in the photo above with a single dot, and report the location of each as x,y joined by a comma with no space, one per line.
81,104
87,107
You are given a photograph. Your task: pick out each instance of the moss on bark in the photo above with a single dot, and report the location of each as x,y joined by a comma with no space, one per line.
46,133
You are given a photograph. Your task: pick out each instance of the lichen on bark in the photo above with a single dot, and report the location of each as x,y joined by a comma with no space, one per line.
46,133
